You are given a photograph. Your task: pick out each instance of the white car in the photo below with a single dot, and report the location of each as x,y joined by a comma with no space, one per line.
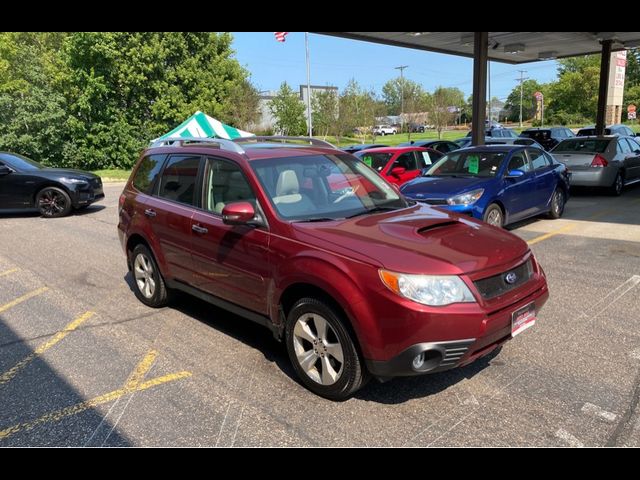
384,130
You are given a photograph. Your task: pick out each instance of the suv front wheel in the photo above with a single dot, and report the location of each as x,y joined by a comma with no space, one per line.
322,351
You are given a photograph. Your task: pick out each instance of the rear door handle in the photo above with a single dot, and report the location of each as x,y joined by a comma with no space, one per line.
150,213
199,229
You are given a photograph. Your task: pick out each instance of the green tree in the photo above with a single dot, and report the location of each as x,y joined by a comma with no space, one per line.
325,111
443,107
512,105
243,106
393,91
573,98
358,109
632,73
288,111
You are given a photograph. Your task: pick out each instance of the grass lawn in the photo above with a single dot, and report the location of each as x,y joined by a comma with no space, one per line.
113,175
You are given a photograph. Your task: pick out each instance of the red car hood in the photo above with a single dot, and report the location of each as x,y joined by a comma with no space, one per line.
421,239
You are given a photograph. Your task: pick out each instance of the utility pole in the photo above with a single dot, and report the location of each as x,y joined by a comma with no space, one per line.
521,79
401,68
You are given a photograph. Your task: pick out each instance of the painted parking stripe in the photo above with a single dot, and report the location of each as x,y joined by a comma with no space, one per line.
12,372
552,234
596,411
566,437
129,387
9,272
23,298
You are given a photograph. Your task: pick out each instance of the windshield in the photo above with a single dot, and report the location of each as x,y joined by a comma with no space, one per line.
467,164
582,145
324,187
19,162
377,161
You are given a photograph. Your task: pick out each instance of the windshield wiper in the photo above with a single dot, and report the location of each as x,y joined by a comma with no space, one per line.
373,210
315,219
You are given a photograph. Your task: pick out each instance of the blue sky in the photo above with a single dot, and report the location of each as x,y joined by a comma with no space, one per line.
334,61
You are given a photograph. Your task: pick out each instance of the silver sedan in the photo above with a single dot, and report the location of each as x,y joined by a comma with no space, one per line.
609,161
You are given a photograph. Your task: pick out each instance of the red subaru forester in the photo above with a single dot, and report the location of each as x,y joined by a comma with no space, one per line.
312,243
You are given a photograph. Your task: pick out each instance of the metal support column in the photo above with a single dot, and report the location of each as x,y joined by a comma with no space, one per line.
604,86
479,104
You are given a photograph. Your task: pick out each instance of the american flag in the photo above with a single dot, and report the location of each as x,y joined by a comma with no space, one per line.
280,36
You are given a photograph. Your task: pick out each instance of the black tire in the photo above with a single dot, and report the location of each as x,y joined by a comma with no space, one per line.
557,204
382,133
618,184
160,295
53,202
493,215
352,374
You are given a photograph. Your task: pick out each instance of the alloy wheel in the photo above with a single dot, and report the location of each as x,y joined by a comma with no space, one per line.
143,273
51,203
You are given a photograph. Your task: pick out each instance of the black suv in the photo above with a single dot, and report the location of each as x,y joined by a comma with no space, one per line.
548,137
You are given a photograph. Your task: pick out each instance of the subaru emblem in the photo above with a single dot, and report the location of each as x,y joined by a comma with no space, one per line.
511,278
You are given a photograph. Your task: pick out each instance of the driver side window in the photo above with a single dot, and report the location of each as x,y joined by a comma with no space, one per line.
226,184
406,161
518,162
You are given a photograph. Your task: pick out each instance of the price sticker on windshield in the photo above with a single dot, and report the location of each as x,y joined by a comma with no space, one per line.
367,160
474,164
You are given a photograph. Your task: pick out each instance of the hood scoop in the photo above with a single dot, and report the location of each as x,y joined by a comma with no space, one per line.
437,225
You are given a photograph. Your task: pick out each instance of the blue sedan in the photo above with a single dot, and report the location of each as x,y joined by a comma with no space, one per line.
499,184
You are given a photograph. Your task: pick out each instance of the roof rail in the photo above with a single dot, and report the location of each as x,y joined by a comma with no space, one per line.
285,139
222,143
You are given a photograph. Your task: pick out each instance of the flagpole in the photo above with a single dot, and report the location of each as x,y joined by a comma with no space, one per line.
306,42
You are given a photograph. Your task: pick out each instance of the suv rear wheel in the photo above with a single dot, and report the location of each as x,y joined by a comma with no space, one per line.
322,351
149,286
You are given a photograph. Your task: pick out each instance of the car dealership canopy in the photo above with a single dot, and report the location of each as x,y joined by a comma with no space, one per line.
509,47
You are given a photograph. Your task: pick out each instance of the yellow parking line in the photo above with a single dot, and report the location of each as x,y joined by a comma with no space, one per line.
9,272
21,299
81,407
133,384
12,372
552,234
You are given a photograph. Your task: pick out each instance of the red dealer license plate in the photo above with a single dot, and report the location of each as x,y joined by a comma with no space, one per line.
523,319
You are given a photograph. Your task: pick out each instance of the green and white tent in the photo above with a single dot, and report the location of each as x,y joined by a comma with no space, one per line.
201,125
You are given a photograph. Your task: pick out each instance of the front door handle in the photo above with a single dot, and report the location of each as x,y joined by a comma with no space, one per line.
199,229
150,213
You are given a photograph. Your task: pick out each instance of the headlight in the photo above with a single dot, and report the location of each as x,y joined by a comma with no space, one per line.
466,198
75,181
433,290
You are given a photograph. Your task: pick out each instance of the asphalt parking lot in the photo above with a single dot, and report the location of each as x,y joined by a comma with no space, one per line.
83,362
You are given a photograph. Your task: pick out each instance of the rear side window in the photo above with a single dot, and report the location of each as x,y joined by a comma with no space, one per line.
537,158
623,146
178,182
147,173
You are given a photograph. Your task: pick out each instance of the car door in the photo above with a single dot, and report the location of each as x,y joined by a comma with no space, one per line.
231,262
408,161
518,191
169,213
546,179
632,159
16,188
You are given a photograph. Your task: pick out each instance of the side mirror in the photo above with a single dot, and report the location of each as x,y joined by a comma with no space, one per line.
4,170
238,213
515,173
397,171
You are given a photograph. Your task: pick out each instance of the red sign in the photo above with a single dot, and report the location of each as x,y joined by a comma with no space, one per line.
538,96
631,108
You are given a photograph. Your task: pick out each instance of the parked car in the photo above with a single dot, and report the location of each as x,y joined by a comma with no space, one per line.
608,161
466,141
417,128
548,137
618,129
384,130
54,192
443,146
361,146
356,282
399,164
499,184
499,133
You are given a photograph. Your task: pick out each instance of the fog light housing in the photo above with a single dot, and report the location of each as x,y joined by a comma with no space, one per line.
418,361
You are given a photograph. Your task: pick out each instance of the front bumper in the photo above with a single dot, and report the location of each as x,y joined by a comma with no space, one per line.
87,194
445,355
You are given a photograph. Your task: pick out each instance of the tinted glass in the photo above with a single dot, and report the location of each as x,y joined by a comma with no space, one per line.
623,146
147,173
178,182
19,162
377,161
406,161
578,144
518,162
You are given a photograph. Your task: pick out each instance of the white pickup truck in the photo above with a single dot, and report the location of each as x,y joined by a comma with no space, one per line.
384,130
